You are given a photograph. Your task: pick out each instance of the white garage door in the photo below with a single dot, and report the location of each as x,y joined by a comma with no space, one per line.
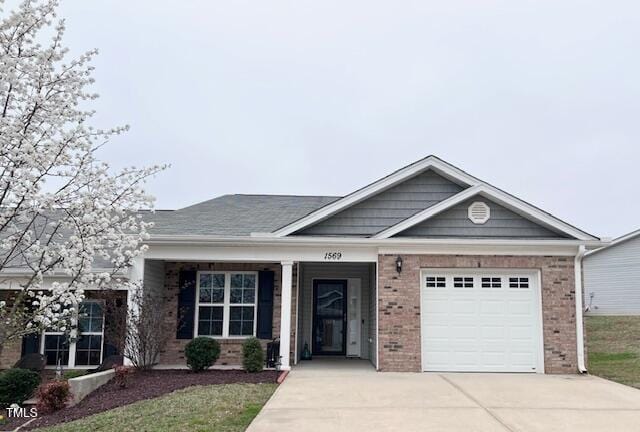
480,321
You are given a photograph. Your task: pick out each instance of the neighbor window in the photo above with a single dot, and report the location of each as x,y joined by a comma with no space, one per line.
56,348
86,345
90,332
227,304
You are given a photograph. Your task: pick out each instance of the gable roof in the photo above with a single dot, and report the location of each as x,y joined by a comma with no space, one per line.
632,235
473,186
387,208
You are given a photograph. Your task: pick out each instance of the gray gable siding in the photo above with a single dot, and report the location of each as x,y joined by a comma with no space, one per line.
388,207
455,222
612,277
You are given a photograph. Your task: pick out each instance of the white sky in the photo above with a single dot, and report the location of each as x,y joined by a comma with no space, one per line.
540,98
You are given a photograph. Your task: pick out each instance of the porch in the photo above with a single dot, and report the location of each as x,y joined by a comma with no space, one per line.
329,307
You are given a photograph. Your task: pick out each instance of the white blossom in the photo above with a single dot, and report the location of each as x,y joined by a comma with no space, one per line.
63,211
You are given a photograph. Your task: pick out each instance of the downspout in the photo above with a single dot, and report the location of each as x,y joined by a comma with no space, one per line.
579,320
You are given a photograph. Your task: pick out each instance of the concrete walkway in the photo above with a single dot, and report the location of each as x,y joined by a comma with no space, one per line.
351,396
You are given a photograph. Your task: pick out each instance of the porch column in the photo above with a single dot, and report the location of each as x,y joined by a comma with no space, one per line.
285,315
136,276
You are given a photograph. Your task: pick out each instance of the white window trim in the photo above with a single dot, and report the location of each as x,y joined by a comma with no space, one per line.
226,305
93,333
73,338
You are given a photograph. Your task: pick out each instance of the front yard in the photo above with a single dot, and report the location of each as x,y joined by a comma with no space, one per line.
164,400
223,408
613,348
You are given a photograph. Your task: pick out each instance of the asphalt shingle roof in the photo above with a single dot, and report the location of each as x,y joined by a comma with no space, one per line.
235,215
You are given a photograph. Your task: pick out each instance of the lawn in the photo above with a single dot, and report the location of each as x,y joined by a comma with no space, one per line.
613,348
223,408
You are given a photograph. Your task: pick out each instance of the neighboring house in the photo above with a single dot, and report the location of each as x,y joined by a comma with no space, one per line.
612,277
426,269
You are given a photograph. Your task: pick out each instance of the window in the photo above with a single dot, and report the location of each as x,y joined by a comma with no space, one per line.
90,331
211,288
491,282
83,347
56,349
227,304
462,282
518,282
436,282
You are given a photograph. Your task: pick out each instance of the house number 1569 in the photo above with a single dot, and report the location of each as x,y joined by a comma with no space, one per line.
333,256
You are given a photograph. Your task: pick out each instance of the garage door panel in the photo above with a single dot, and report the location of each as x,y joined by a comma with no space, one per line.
437,306
438,358
435,332
492,307
463,333
520,333
520,307
463,307
493,358
465,358
488,327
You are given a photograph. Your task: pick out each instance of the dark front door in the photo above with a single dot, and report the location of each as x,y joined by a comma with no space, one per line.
329,316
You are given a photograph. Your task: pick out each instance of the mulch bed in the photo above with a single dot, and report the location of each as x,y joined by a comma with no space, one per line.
147,385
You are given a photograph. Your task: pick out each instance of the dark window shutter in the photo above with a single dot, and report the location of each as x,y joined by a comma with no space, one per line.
109,350
186,304
30,344
265,304
115,323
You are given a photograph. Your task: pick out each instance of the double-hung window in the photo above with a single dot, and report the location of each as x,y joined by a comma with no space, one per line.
90,332
83,347
227,304
56,348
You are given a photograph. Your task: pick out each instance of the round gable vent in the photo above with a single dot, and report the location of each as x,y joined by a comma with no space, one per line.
479,212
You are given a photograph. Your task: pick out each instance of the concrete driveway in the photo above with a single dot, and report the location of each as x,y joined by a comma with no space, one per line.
351,396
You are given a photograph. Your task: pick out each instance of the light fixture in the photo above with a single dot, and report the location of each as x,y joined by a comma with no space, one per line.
399,264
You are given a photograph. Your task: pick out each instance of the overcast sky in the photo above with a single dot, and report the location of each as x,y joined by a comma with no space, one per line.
540,98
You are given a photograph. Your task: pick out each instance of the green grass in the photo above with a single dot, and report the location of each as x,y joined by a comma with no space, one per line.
613,348
220,408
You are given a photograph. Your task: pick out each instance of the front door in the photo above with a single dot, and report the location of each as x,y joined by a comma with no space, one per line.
329,316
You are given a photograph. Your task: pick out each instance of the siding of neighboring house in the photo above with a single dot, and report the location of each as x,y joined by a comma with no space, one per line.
388,207
612,279
311,271
455,222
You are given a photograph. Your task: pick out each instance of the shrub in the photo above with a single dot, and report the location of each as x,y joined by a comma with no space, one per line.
53,396
17,385
73,374
122,376
252,355
201,353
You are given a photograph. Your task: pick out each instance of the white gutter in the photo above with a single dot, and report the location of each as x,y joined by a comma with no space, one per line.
193,240
579,320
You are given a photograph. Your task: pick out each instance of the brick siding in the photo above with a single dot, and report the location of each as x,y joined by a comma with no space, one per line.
399,306
230,349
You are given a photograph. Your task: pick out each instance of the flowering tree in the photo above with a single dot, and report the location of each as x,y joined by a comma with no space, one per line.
62,210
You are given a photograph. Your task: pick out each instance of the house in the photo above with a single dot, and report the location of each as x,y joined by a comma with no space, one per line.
612,277
426,269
